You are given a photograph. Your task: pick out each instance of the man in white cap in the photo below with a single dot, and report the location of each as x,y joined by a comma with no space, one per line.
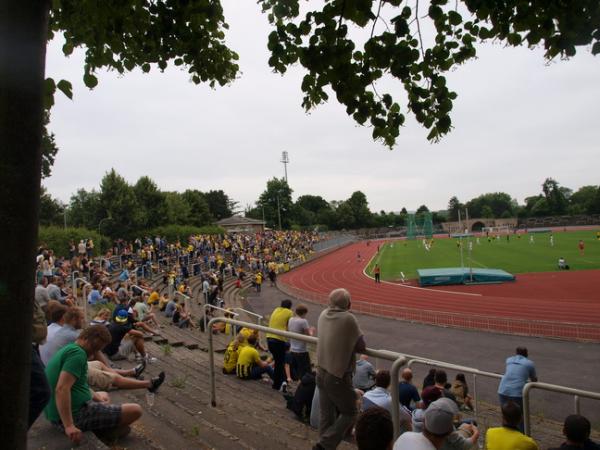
439,424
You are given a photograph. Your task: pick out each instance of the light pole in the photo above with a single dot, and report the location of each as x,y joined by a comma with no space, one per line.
285,160
278,211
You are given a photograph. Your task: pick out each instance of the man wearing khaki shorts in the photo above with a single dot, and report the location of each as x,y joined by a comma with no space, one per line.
105,378
73,406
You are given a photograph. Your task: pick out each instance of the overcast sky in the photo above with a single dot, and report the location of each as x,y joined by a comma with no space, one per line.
517,121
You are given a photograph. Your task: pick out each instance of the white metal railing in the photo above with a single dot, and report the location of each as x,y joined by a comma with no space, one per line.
510,325
458,368
391,356
166,262
552,388
74,287
191,273
186,300
144,291
102,260
258,317
208,306
84,296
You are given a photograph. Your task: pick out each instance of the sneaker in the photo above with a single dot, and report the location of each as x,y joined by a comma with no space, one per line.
149,359
139,369
283,387
156,382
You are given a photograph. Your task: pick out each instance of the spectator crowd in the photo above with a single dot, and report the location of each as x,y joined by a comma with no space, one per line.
342,395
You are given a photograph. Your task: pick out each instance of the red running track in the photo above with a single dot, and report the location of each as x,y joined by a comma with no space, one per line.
560,304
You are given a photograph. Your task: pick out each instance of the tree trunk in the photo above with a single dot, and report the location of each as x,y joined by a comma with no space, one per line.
23,35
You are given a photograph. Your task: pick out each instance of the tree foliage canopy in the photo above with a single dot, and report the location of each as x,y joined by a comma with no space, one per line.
121,210
124,34
321,38
321,41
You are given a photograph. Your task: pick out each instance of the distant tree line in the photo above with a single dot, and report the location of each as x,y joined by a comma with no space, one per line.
275,204
119,209
553,200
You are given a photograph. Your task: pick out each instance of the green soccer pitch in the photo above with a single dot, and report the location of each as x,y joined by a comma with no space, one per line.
517,255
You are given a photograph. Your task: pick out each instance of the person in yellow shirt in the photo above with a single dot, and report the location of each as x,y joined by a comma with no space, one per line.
508,436
279,320
153,298
162,303
258,281
232,353
249,365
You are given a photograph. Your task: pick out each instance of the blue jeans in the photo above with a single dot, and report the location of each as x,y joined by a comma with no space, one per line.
257,371
519,401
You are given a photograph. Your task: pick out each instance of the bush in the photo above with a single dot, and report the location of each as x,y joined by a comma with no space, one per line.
57,239
182,232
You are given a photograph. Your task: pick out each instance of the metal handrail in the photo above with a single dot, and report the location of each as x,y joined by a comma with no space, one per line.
192,271
250,313
75,280
300,337
186,299
258,317
85,301
145,291
208,306
552,388
569,330
471,370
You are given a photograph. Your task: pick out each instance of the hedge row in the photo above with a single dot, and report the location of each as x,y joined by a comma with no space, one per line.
182,232
58,238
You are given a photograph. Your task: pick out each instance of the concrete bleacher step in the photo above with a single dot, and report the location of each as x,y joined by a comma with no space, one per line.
246,410
44,436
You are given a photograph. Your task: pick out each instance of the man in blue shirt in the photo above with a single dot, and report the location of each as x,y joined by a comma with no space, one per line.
407,392
519,369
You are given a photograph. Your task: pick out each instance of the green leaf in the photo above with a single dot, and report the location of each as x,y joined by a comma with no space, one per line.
514,39
90,80
49,90
146,67
129,64
67,48
66,88
454,18
596,48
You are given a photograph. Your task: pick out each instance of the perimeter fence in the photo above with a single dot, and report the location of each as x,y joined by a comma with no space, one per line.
508,325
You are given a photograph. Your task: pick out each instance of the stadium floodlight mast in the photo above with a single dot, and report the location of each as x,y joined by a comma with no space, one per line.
285,159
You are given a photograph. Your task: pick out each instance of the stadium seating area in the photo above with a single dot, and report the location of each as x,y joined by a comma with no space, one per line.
248,414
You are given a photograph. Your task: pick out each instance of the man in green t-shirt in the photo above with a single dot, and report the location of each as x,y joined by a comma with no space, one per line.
73,405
